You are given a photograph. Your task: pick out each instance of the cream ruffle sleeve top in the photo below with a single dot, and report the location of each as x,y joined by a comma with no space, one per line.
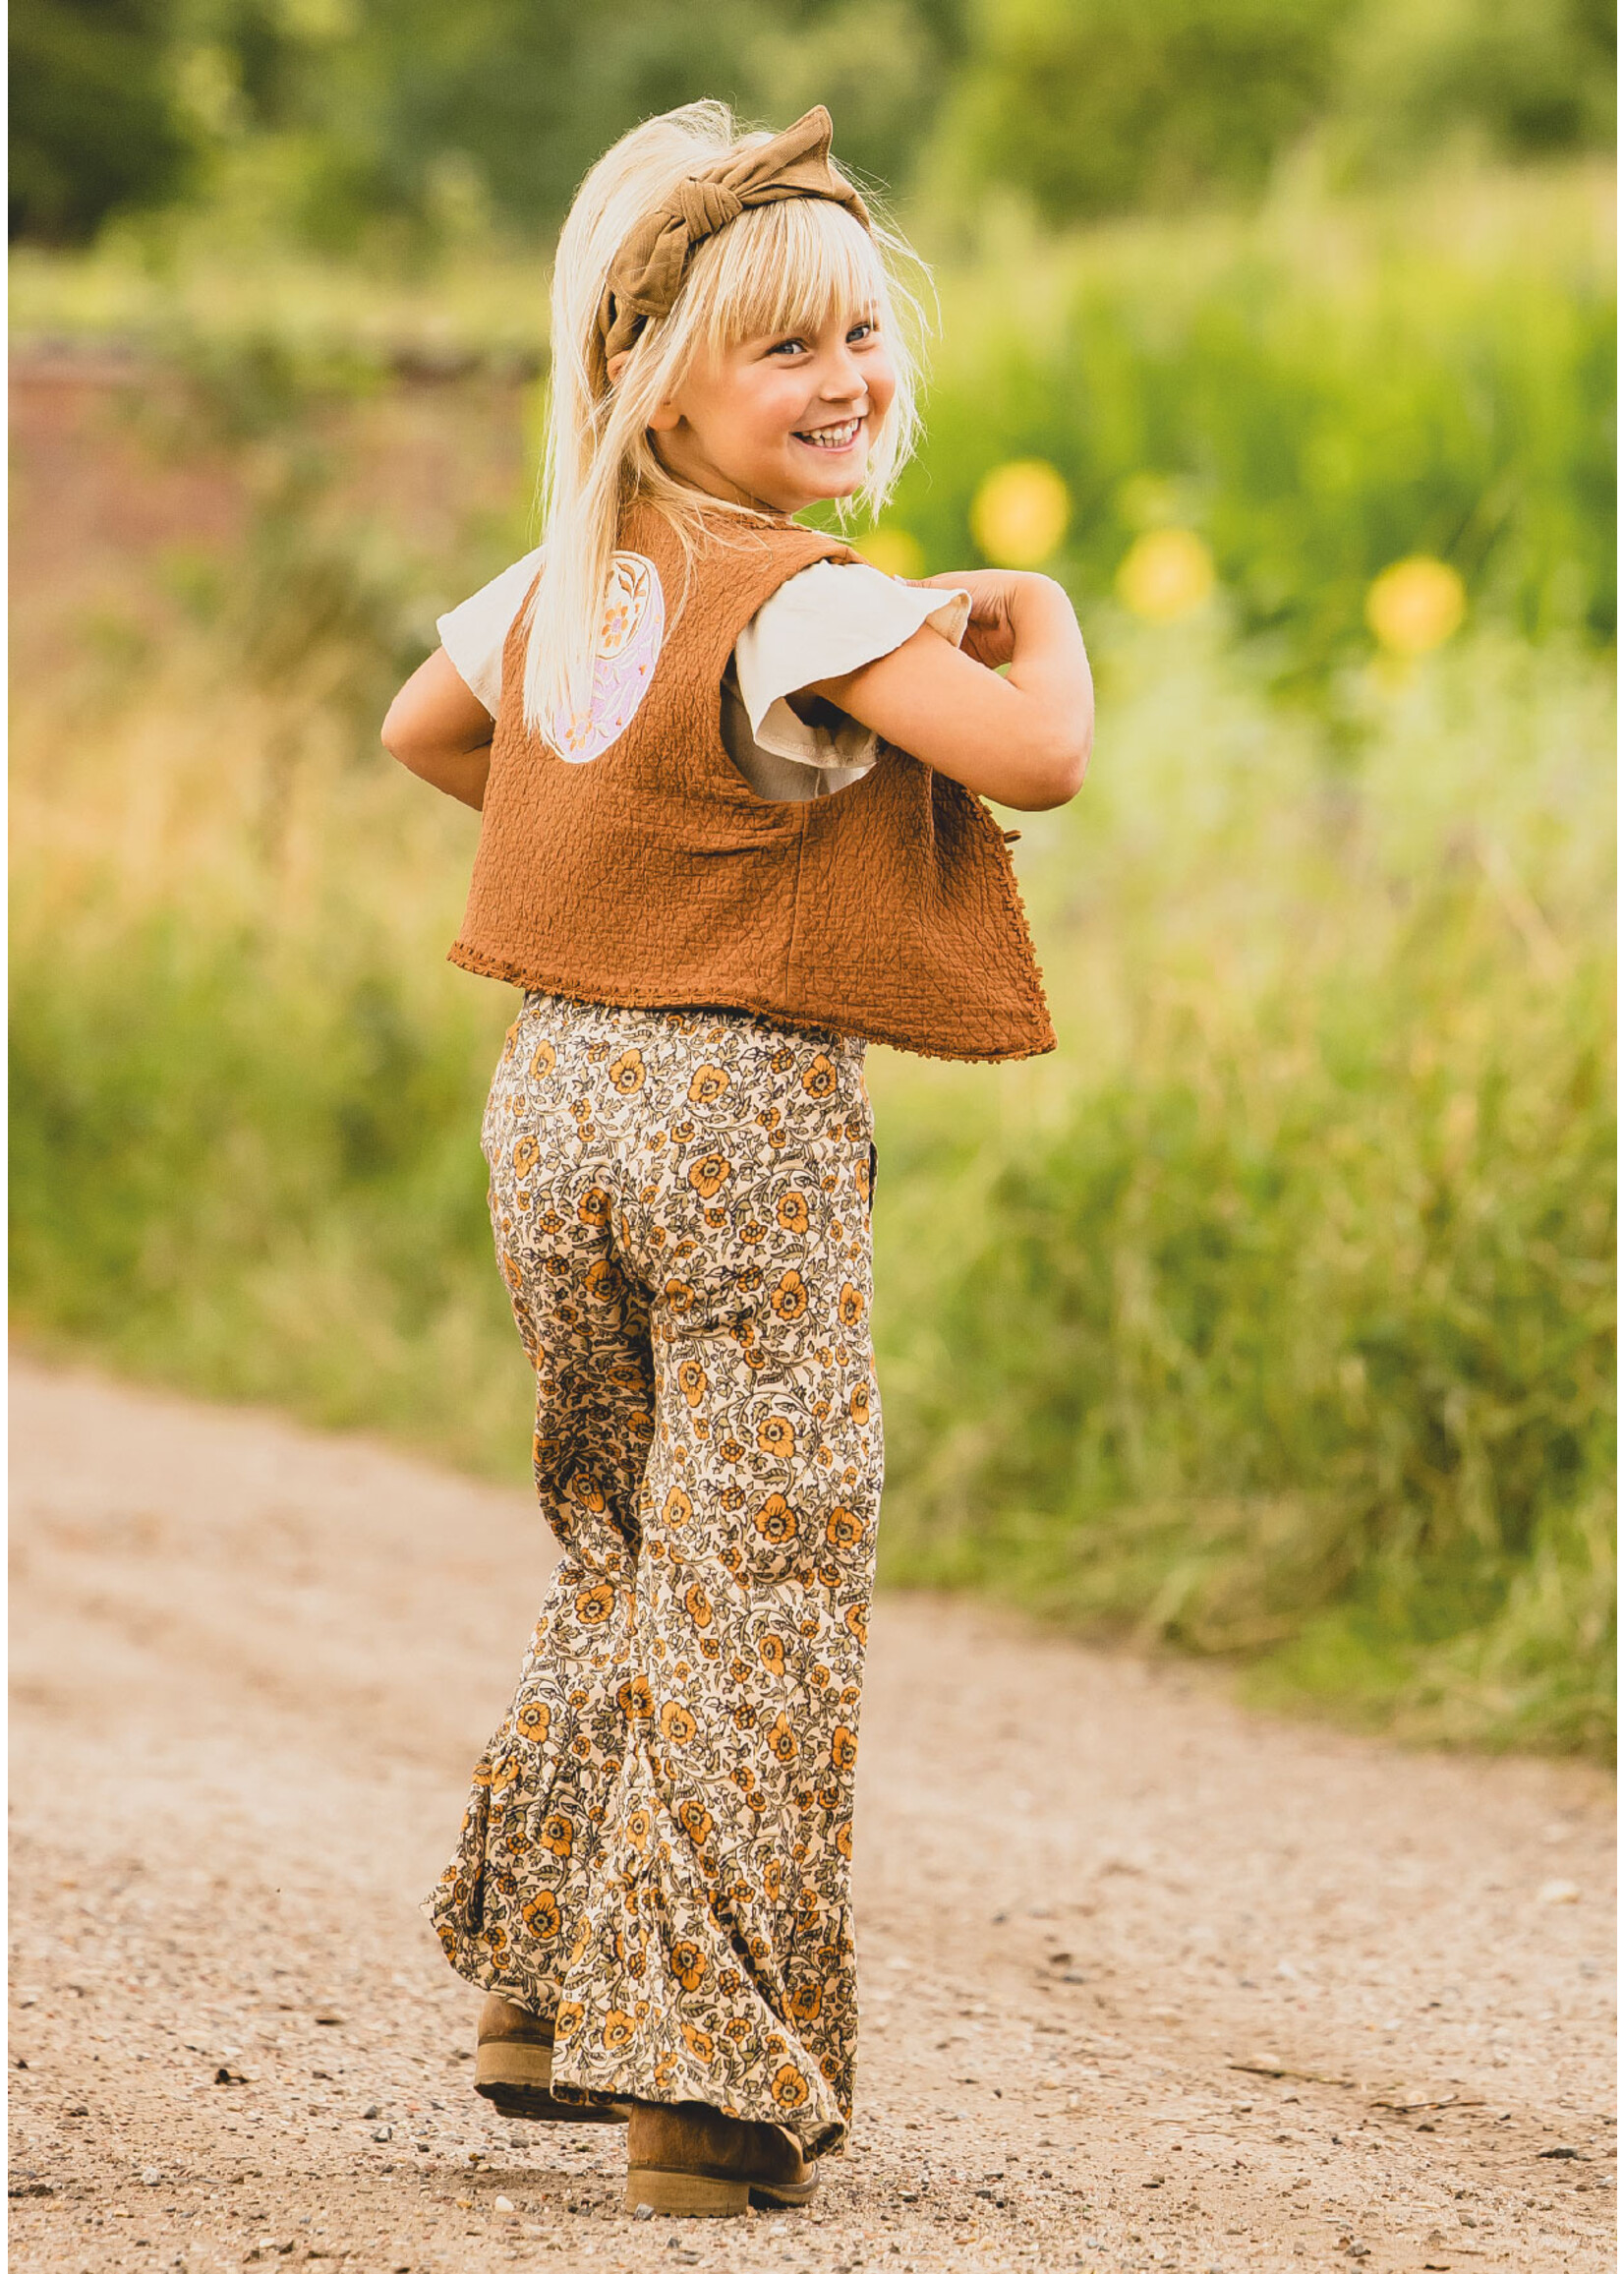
824,621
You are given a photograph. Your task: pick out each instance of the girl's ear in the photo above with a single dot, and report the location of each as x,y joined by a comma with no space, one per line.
665,415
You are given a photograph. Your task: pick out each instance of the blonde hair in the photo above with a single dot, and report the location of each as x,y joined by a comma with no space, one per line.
777,267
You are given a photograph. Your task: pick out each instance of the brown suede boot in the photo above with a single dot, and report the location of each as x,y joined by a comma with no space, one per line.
513,2067
692,2161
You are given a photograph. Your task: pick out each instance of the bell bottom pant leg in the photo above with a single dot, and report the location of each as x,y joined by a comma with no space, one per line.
702,1655
541,1787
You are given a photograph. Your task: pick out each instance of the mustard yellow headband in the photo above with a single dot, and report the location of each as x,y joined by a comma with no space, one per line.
647,273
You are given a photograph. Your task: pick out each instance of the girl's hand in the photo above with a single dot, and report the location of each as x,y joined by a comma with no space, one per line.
989,636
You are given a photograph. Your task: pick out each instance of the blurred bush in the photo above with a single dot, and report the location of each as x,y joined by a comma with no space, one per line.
409,127
1314,396
1513,78
95,124
1270,1316
1277,1317
1098,106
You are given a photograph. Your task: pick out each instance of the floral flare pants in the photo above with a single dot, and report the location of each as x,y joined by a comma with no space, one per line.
657,1846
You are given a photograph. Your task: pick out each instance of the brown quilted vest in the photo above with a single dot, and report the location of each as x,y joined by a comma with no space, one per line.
655,875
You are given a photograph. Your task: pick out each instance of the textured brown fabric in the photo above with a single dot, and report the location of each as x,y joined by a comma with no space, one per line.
654,875
647,273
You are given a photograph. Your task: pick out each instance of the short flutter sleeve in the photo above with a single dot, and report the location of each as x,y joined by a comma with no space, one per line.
829,619
473,632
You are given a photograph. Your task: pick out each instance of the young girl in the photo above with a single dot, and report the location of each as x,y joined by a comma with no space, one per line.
730,780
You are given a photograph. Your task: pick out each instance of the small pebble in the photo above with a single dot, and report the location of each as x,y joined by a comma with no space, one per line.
385,2131
644,2211
503,2203
150,2176
370,2111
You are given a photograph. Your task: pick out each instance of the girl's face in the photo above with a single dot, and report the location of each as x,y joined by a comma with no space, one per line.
784,419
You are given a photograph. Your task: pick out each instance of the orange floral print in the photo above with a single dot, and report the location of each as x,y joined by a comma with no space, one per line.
657,1843
790,1296
543,1916
789,2087
708,1176
820,1078
775,1519
688,1965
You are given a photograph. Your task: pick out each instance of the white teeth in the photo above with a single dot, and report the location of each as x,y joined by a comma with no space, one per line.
839,438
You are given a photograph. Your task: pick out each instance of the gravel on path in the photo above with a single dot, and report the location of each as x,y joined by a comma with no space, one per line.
1148,1981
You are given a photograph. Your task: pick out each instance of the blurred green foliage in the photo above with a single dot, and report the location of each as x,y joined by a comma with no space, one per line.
1272,1317
407,124
1521,78
1281,1319
1095,105
95,125
1313,417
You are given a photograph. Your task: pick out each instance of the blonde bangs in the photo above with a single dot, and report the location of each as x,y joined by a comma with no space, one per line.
794,267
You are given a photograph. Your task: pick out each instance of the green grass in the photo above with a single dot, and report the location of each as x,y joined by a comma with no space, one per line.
1271,1317
1276,1318
1319,394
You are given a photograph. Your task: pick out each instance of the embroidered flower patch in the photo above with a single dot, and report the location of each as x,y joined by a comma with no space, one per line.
630,636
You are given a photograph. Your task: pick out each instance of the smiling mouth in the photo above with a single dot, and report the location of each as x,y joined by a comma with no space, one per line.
837,438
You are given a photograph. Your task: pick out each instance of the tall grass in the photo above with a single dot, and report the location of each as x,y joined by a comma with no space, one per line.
1277,1319
1318,394
1270,1316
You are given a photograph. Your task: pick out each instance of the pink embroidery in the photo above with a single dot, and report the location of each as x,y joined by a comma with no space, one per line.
630,636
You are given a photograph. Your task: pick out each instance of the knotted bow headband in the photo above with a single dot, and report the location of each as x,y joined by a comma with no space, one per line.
647,273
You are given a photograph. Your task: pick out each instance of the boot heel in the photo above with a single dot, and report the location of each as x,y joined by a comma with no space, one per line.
511,2065
685,2194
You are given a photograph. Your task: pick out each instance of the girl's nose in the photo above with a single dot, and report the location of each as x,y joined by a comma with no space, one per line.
842,376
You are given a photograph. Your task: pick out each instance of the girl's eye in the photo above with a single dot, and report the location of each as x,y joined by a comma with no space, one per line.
861,331
787,347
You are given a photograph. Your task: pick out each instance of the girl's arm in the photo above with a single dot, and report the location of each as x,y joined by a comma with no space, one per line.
1021,739
440,731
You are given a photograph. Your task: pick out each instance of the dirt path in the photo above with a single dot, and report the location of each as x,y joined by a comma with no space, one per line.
252,1669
